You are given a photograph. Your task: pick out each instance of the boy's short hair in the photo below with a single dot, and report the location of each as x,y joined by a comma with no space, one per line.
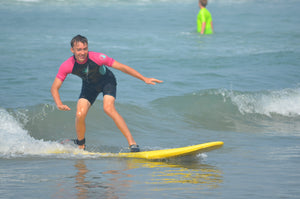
78,38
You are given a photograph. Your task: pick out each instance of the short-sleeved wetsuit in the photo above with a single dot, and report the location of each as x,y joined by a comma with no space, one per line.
204,16
96,77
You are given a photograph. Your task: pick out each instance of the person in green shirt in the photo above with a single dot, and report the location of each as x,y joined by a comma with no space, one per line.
204,20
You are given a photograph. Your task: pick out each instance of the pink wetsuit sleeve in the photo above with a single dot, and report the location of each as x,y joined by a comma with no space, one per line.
101,59
66,68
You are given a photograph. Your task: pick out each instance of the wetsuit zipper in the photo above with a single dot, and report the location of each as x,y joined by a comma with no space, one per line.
87,73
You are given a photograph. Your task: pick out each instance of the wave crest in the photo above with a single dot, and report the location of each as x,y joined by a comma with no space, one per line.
227,110
283,102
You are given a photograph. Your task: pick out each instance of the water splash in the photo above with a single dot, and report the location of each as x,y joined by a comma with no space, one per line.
15,141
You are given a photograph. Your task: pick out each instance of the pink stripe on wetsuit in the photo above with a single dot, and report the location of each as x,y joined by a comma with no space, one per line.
95,76
68,66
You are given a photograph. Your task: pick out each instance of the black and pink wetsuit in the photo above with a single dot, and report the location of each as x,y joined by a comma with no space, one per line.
96,77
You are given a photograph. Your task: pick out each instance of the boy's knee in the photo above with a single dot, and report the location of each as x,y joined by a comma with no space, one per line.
108,109
80,115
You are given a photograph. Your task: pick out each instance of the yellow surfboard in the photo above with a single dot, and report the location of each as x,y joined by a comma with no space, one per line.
156,154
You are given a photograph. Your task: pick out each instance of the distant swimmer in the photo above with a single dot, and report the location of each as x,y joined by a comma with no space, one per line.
204,20
92,68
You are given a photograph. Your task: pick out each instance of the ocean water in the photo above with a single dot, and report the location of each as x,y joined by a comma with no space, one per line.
239,85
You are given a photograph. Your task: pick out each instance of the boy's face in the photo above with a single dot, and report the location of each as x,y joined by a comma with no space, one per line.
80,50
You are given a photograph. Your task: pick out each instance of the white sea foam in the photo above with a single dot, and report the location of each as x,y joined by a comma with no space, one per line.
14,140
284,102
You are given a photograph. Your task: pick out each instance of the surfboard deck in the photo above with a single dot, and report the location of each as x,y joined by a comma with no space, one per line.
156,154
